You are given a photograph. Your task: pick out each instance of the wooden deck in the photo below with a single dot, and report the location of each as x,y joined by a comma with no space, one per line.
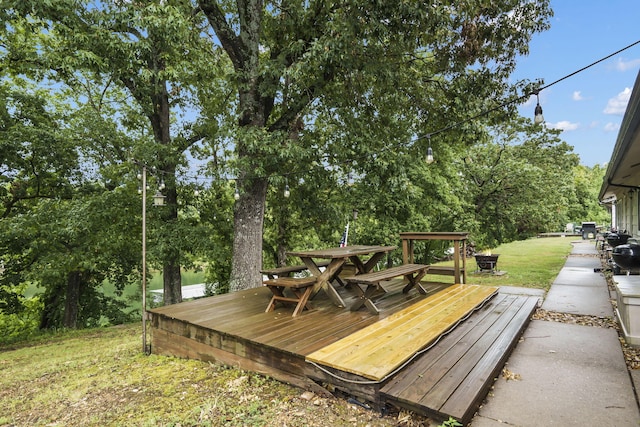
234,329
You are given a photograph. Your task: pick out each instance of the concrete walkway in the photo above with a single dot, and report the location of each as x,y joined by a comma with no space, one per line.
569,375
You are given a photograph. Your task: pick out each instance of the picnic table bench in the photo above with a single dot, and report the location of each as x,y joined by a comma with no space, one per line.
372,281
300,287
286,270
444,270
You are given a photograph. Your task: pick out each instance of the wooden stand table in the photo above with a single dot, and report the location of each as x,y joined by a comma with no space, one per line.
458,238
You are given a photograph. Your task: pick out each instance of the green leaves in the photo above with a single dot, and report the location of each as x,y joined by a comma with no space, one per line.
519,182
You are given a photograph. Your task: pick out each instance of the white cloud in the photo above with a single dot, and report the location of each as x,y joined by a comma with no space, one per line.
623,65
618,104
611,127
564,125
577,96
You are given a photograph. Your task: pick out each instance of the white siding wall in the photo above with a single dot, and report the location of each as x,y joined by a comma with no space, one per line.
627,210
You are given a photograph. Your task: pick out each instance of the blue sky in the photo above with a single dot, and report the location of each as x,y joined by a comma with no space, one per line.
588,106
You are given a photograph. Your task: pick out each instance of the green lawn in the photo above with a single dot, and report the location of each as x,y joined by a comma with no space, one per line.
132,293
154,281
100,377
532,263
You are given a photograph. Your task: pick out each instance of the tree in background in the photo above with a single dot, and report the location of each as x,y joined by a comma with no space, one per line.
295,60
154,51
37,164
519,181
60,230
585,206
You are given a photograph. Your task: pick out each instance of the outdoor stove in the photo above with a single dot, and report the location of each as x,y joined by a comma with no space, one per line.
617,239
487,262
626,257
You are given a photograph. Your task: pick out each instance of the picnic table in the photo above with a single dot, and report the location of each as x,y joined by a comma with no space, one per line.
337,258
459,239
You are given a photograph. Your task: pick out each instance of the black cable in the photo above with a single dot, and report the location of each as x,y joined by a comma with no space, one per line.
514,100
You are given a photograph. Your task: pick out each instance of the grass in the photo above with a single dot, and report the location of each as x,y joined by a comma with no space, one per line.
100,378
532,263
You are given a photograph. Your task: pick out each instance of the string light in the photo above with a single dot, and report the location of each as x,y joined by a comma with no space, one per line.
429,152
287,192
430,157
538,118
525,96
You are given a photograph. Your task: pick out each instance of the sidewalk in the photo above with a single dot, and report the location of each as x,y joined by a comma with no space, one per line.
569,375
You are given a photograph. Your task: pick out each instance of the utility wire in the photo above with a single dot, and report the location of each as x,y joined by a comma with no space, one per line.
526,95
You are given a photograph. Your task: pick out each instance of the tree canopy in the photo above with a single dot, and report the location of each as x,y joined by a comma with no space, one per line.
336,101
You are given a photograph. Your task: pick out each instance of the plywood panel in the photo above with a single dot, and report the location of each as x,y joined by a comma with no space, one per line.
377,350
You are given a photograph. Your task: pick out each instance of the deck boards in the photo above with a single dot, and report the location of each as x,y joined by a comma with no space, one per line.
454,372
455,375
377,350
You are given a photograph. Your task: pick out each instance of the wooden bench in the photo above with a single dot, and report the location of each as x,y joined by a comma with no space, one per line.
442,270
300,287
285,271
411,272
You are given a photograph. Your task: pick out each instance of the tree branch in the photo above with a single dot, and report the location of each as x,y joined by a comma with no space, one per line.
229,40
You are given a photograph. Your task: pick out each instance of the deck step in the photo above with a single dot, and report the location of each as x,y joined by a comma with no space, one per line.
453,377
377,350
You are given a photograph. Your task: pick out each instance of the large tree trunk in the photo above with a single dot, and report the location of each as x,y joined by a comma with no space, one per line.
172,281
160,122
172,275
50,316
72,297
243,50
247,242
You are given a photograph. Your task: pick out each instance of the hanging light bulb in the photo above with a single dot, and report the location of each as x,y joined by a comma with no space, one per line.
161,186
287,192
538,118
429,152
236,194
196,192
